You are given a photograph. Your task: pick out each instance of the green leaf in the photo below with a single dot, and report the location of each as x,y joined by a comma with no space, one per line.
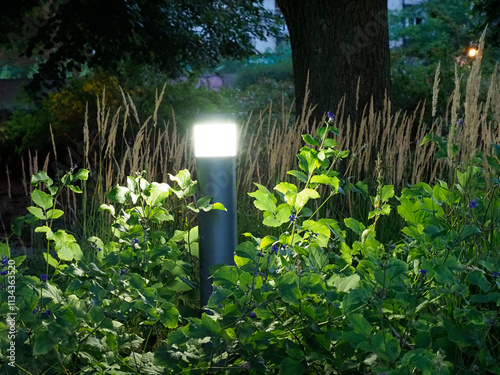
43,343
54,214
386,193
310,140
226,276
75,189
36,212
41,177
288,287
356,226
66,246
298,175
444,275
360,324
218,206
218,297
264,200
42,199
119,194
158,193
469,231
82,175
106,207
285,187
211,325
303,197
267,241
434,138
478,278
50,260
290,366
307,162
344,284
137,281
44,229
183,178
4,249
326,180
170,316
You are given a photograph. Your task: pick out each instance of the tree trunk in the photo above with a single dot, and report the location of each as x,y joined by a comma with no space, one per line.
341,45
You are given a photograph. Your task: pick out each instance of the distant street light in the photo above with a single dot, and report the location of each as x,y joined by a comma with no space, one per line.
472,52
215,144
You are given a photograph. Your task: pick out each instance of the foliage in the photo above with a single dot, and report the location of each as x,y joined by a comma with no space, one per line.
307,301
486,12
107,306
177,36
430,33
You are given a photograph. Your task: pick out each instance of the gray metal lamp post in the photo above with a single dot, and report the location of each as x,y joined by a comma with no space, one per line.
215,150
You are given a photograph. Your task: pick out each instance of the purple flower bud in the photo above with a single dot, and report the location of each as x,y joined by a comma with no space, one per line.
423,272
331,116
46,313
292,218
123,272
275,249
43,277
35,310
3,273
252,315
495,274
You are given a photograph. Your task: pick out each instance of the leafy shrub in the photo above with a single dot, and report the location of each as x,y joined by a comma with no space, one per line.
103,308
307,301
312,295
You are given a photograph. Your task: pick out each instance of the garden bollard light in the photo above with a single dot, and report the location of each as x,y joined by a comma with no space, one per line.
215,152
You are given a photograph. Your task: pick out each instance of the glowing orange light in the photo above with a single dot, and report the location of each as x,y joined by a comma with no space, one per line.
472,52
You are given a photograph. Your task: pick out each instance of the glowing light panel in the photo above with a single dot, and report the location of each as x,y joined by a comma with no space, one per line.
215,139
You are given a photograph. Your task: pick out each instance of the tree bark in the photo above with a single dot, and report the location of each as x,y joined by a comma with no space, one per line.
343,47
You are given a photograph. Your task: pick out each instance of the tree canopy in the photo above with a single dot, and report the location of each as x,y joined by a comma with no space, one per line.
177,36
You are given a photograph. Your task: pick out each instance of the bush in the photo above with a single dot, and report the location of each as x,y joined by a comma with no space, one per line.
307,301
302,299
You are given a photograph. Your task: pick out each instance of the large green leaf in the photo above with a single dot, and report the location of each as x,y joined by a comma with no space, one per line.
42,199
264,200
360,324
54,214
303,197
326,180
158,193
386,193
183,178
226,276
288,287
169,315
478,278
290,366
298,175
36,212
355,225
310,140
43,342
4,249
119,194
41,177
469,231
344,284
